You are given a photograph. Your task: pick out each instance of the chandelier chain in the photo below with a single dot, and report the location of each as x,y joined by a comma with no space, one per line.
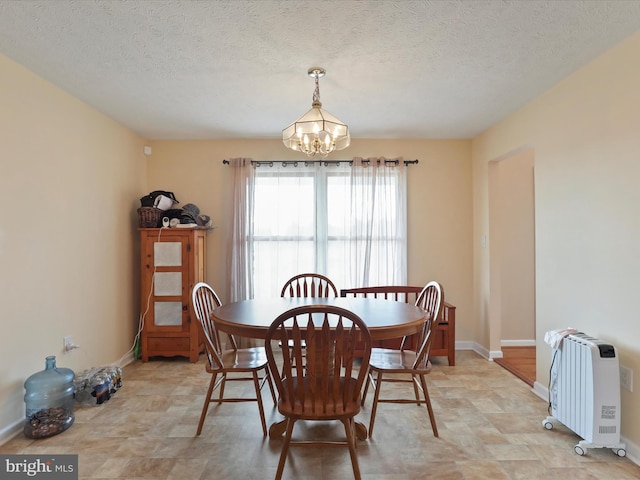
316,94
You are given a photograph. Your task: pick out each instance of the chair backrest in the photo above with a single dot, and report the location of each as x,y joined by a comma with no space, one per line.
309,285
330,335
205,300
430,299
399,293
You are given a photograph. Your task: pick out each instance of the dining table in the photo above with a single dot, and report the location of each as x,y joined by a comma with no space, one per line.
384,318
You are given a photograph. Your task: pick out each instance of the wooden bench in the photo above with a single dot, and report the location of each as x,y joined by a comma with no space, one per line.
444,341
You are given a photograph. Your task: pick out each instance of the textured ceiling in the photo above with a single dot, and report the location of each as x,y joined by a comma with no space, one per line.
238,68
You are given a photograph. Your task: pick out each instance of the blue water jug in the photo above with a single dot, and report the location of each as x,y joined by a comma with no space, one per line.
49,401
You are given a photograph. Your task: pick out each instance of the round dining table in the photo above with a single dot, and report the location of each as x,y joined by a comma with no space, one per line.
385,319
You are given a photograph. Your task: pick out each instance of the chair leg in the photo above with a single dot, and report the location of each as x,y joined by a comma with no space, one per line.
432,417
256,383
285,447
270,382
377,387
351,440
207,400
222,384
415,389
267,379
366,388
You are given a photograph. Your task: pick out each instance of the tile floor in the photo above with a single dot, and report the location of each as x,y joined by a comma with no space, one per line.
489,423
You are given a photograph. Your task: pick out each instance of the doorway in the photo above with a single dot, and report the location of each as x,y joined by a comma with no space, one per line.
512,262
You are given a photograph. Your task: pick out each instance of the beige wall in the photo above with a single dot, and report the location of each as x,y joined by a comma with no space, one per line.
439,203
69,182
511,230
584,133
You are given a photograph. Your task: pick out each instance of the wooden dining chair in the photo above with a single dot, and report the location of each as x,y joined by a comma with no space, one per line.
309,285
395,365
228,364
326,383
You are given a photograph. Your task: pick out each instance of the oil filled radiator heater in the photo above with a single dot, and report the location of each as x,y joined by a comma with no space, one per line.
584,392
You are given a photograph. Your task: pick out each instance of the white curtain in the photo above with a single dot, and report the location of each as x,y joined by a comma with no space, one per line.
378,223
240,258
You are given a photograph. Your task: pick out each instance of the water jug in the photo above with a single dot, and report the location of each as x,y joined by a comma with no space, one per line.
49,401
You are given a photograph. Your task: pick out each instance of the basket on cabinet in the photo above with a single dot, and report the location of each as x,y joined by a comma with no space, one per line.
149,217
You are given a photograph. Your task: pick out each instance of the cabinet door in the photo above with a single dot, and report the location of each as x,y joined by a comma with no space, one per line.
169,272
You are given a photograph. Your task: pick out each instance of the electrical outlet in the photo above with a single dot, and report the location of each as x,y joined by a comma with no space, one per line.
626,378
68,345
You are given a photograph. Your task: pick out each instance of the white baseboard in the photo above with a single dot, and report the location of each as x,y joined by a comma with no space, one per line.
11,431
495,354
491,354
633,451
540,390
127,359
517,343
476,347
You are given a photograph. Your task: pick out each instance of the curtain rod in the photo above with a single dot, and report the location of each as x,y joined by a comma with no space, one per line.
326,163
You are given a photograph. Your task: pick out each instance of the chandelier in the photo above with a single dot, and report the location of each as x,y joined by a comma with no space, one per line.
317,132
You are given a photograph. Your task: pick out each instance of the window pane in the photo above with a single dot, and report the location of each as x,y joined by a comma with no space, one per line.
284,206
284,228
337,265
275,262
327,220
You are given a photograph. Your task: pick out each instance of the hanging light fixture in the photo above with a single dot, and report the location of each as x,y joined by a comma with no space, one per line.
317,132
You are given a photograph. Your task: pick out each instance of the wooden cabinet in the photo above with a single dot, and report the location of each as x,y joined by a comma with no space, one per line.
173,261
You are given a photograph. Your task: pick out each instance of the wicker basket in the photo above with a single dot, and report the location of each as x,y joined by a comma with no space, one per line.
149,217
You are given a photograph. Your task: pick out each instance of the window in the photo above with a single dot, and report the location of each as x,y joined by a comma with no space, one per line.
346,222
